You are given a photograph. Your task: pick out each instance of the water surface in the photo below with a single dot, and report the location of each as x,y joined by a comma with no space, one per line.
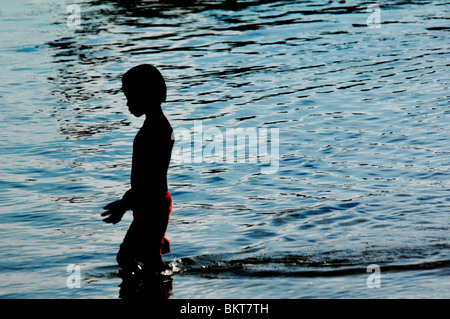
364,161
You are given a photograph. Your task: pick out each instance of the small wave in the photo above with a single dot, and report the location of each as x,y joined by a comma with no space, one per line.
327,264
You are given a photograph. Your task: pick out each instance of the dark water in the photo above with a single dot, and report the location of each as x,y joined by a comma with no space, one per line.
364,156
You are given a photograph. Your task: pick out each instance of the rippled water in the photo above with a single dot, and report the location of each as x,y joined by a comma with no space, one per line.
364,159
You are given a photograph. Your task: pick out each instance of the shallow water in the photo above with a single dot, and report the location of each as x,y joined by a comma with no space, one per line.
364,158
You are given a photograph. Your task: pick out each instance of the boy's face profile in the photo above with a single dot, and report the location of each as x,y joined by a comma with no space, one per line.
136,101
144,88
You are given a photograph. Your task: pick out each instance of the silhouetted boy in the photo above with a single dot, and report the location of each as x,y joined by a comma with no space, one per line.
149,198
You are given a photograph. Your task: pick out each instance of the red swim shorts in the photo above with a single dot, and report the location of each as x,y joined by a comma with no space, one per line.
165,244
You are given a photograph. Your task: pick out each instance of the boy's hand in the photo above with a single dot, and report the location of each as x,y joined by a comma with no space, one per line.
114,211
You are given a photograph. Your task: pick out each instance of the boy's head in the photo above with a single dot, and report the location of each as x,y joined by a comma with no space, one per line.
144,87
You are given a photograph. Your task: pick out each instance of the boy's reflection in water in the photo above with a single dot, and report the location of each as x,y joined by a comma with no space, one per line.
154,287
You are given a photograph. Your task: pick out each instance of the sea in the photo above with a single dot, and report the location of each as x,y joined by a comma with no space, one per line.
335,185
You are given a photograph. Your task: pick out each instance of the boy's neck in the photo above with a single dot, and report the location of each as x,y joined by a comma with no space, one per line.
156,113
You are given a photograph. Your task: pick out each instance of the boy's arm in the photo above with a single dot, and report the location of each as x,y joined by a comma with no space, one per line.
116,210
127,198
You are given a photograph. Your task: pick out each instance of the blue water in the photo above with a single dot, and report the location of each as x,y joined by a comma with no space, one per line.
364,157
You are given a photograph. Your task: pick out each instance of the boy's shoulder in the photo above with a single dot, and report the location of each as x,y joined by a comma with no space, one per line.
155,130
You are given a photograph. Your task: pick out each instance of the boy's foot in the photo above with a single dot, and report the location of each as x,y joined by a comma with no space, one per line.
157,267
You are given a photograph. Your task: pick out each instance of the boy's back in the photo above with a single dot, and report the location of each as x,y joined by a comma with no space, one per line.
152,150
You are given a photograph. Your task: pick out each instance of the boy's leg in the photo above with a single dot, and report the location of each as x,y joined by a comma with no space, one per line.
139,245
157,244
145,241
127,256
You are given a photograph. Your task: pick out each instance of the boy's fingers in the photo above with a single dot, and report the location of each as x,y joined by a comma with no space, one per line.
110,205
113,205
110,220
107,219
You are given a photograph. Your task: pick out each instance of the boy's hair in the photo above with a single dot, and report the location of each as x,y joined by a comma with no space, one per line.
146,77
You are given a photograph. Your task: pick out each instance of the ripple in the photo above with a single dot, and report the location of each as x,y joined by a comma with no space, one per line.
362,115
325,264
